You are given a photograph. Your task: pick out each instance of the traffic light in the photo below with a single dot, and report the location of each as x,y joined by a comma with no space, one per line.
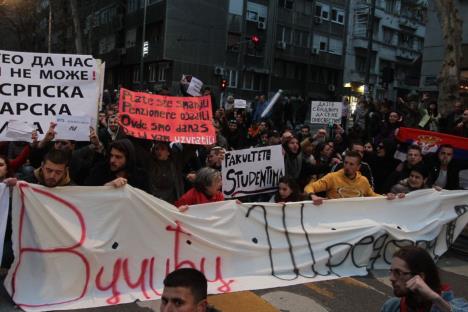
223,84
255,40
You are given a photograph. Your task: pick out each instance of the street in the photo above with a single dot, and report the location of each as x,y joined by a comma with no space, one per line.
345,294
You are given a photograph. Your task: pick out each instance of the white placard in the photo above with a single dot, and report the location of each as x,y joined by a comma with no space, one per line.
238,103
19,131
39,87
252,171
73,128
325,112
81,247
194,87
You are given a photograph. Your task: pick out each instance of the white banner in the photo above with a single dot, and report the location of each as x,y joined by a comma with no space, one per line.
39,87
73,128
252,171
4,205
322,112
194,87
80,247
239,103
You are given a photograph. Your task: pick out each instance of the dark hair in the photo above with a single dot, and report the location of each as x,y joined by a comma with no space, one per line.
355,142
58,157
126,147
445,146
415,147
353,154
9,171
419,261
189,278
421,169
293,185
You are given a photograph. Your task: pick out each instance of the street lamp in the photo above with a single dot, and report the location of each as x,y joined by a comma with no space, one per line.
143,43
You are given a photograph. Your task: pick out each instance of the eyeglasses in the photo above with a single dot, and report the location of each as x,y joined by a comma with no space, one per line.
398,273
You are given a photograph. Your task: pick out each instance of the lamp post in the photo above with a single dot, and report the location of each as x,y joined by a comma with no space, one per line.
142,55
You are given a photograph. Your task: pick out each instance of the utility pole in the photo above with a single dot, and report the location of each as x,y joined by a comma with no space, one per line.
143,37
370,42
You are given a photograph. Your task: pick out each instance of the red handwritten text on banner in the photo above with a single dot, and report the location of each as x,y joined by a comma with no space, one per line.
167,118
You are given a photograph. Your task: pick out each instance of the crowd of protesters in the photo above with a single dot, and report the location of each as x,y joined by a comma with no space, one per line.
330,162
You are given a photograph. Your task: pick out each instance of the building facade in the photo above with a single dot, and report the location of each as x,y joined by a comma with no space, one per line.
258,46
434,51
397,43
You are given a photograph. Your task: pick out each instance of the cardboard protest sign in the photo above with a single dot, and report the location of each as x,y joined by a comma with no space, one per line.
167,118
39,87
73,128
19,131
252,171
325,112
238,103
101,261
194,87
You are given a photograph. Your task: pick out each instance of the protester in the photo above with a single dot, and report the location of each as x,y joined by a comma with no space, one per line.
417,286
444,170
382,164
206,189
461,128
288,191
185,290
119,168
347,182
417,180
402,171
364,168
293,159
6,172
53,171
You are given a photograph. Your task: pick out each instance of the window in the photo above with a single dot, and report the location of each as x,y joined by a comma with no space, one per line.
336,46
106,44
287,4
130,38
136,73
360,64
256,12
284,34
162,72
322,10
387,35
152,72
252,81
232,78
320,43
390,6
290,70
337,16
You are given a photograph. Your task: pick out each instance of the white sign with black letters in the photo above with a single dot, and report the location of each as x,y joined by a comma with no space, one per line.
325,112
40,87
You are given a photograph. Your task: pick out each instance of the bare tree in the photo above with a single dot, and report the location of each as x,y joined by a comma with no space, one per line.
22,18
449,76
76,25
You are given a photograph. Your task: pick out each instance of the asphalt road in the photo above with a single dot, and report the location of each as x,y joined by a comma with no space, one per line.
345,294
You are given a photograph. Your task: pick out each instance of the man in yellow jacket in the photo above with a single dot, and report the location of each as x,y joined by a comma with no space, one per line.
344,183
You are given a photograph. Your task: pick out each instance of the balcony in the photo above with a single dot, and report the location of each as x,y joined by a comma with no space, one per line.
407,54
408,23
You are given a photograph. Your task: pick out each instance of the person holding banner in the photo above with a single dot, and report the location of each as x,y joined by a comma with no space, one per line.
344,183
53,171
206,189
119,169
417,286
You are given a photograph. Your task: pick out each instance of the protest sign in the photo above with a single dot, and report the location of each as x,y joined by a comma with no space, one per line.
67,258
238,103
167,118
325,112
4,205
194,87
19,131
39,87
252,171
73,128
